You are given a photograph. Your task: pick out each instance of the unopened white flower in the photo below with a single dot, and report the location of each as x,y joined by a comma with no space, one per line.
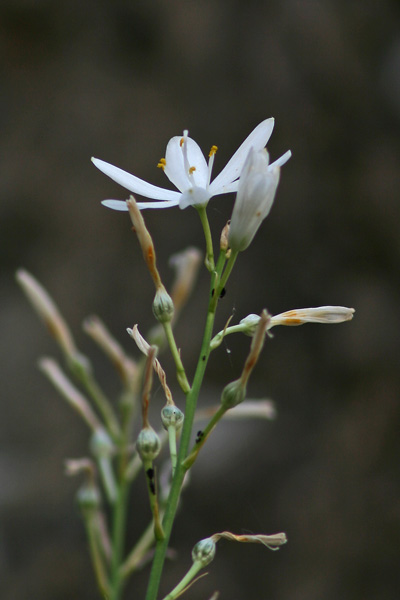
185,166
299,316
256,192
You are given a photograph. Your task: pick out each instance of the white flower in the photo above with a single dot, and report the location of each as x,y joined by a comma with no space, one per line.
299,316
257,186
185,166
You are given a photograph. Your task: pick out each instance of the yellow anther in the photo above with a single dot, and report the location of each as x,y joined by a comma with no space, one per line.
192,170
182,142
162,164
212,151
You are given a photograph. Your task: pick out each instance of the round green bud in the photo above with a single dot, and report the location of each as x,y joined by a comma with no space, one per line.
148,444
251,322
233,394
101,444
88,498
163,306
204,551
172,416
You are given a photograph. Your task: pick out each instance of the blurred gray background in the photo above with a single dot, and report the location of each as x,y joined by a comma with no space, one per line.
117,80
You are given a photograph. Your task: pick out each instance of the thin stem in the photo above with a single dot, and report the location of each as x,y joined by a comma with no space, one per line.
172,447
118,538
204,436
180,370
209,261
184,582
137,554
191,403
96,555
101,401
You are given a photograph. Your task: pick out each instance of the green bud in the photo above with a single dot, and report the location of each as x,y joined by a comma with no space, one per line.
251,322
101,444
172,416
88,498
163,306
148,444
233,394
204,551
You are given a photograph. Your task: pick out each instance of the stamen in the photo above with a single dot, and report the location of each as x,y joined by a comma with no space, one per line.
162,164
211,156
189,170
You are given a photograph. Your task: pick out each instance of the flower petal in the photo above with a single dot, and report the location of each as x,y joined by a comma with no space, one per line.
257,140
165,204
175,165
134,184
115,204
282,160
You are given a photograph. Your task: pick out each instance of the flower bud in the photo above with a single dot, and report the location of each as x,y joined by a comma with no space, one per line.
172,416
101,444
204,551
148,444
163,306
88,498
256,192
251,322
233,394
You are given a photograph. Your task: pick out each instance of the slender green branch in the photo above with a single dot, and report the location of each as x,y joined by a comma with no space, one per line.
209,261
83,374
201,439
118,538
96,556
191,403
180,370
135,557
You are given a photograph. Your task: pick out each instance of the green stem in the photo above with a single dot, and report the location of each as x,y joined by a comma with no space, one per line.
177,591
96,555
209,261
191,403
204,436
101,401
137,554
118,538
180,370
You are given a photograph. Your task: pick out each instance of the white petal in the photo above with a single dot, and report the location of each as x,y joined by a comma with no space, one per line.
166,204
282,160
257,140
175,168
134,184
115,204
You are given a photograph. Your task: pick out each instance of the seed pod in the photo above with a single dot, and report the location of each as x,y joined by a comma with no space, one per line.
172,416
204,551
148,444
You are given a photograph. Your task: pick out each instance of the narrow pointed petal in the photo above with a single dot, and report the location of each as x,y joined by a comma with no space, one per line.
282,160
115,204
257,140
164,204
134,184
175,168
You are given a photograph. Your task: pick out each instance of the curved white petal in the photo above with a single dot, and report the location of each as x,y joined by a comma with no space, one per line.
175,166
282,160
134,184
257,140
166,204
115,204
